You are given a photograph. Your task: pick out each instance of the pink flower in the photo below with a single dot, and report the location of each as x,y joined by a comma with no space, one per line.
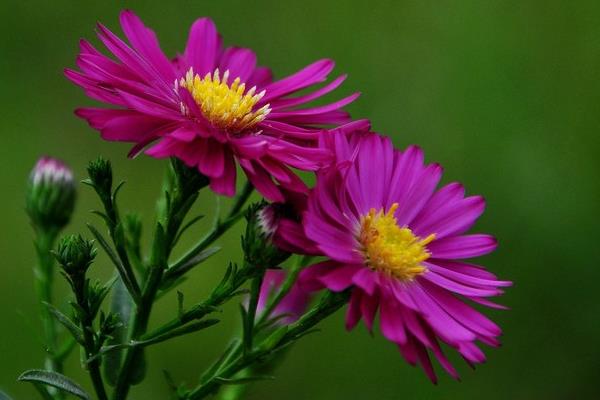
399,244
293,303
210,106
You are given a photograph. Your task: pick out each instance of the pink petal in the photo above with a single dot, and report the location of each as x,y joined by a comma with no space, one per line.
239,61
314,73
458,247
144,41
203,46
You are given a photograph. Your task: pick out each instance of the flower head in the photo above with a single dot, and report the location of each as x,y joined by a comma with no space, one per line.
400,243
209,107
51,194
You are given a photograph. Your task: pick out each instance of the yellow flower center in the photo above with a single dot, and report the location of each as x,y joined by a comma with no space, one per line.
390,248
226,106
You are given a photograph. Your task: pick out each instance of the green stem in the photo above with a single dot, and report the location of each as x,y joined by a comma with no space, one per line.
283,290
43,279
161,249
251,313
179,199
90,345
119,242
220,227
200,310
329,304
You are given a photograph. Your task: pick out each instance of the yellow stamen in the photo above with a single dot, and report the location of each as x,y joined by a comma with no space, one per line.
390,248
226,106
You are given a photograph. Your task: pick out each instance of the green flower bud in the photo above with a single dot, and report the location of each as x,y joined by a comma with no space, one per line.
50,198
101,176
75,254
258,242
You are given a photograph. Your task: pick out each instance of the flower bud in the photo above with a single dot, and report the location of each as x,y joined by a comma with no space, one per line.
75,254
51,193
101,177
258,242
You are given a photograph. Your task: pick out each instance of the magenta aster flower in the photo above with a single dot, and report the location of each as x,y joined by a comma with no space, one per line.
293,303
209,106
400,244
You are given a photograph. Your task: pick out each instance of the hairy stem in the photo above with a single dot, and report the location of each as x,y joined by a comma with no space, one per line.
44,278
329,304
90,345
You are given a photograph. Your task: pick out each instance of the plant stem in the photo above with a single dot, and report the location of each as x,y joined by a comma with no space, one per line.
329,304
200,310
113,221
90,345
251,313
220,227
283,290
161,249
44,278
179,198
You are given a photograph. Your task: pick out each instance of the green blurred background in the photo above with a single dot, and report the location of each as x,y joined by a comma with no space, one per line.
504,94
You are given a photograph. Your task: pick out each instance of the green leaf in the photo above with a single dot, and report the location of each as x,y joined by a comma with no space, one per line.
56,380
243,381
67,323
222,360
4,396
116,191
184,330
121,305
159,255
187,226
138,369
179,304
127,280
174,273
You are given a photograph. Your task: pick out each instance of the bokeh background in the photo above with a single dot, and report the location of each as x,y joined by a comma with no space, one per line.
504,94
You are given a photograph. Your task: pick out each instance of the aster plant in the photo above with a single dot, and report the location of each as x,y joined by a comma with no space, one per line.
374,235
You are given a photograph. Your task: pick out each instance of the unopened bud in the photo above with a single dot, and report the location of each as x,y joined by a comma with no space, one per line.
51,194
258,241
75,254
101,177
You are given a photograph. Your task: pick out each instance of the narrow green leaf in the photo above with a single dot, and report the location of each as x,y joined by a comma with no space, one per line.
159,256
65,321
56,380
243,381
188,225
121,305
179,304
167,286
116,191
222,360
102,215
184,330
115,259
176,272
